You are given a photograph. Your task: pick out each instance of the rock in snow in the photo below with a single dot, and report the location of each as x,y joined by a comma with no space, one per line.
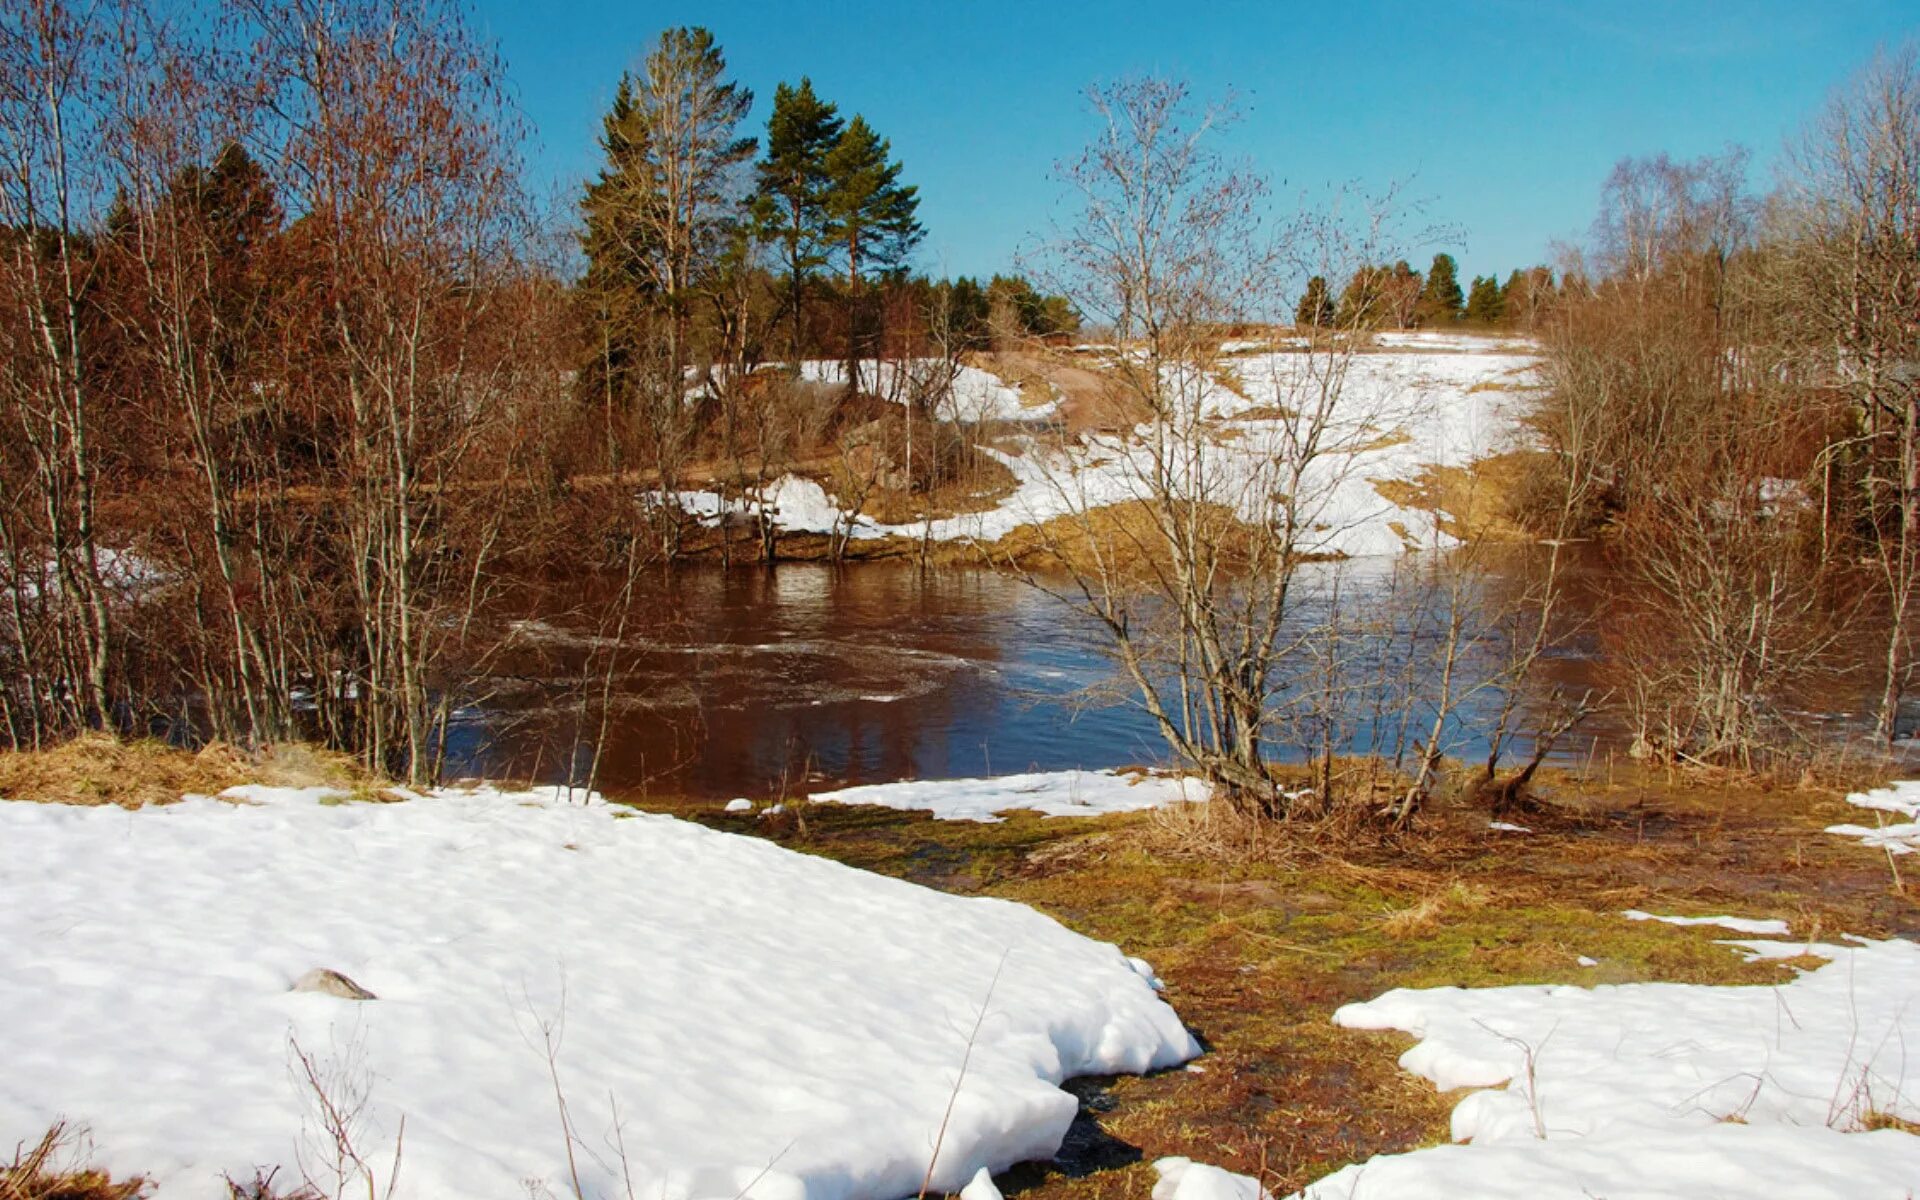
771,1025
331,983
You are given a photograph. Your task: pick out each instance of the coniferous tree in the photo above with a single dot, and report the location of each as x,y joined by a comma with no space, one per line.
1440,300
1316,304
1363,300
869,218
1484,301
869,212
791,197
665,206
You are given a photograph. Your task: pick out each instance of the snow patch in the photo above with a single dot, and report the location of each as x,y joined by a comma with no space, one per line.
772,1025
1662,1090
1054,793
1766,927
1184,1179
1896,837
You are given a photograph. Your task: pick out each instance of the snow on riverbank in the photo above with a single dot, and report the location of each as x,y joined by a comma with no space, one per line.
1054,793
975,395
1901,836
1663,1090
770,1025
1427,404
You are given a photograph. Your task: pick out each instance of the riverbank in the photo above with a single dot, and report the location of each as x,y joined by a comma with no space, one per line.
1259,936
1260,946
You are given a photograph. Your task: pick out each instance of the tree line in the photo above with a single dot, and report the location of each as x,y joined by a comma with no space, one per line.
292,373
1381,296
1734,409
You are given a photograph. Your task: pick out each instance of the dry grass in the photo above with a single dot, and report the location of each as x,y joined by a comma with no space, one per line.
53,1169
1474,501
96,769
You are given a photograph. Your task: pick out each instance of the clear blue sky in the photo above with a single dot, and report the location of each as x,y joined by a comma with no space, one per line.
1504,114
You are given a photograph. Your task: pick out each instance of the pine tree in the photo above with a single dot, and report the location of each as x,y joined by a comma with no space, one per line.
1363,300
1316,304
870,213
1440,300
665,206
869,217
790,201
1484,301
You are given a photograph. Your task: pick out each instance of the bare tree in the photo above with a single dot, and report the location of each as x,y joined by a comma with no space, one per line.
55,68
1851,210
1184,542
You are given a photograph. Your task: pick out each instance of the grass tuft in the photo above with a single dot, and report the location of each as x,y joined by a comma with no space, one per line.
96,769
50,1169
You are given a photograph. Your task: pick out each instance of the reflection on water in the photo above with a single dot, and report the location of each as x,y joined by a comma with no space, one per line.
751,682
728,683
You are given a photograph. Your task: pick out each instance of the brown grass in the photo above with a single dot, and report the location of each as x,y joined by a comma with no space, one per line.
98,769
46,1170
1474,501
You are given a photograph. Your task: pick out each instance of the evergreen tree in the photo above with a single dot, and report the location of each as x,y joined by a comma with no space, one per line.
1362,301
665,206
869,212
1440,300
790,200
1485,304
1316,304
870,219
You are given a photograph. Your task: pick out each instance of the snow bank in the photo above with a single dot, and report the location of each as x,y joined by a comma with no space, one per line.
1054,793
1895,837
1397,413
975,395
771,1025
1766,927
1184,1179
1662,1090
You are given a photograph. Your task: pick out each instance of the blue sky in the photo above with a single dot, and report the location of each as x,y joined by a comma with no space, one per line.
1504,115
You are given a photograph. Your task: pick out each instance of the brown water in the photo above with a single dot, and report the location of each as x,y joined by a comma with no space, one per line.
737,683
758,683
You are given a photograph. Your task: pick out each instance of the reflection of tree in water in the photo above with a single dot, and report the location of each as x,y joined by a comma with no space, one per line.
730,682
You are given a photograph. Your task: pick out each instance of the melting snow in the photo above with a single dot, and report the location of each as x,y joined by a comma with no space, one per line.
1055,793
771,1025
1184,1179
1767,927
1662,1090
1895,837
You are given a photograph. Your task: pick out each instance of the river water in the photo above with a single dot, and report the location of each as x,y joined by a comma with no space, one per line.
756,683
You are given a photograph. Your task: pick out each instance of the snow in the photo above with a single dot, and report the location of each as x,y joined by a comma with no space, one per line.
1468,343
739,804
1662,1090
770,1025
1184,1179
1054,793
982,1187
1896,837
1507,827
976,395
1426,404
1764,927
